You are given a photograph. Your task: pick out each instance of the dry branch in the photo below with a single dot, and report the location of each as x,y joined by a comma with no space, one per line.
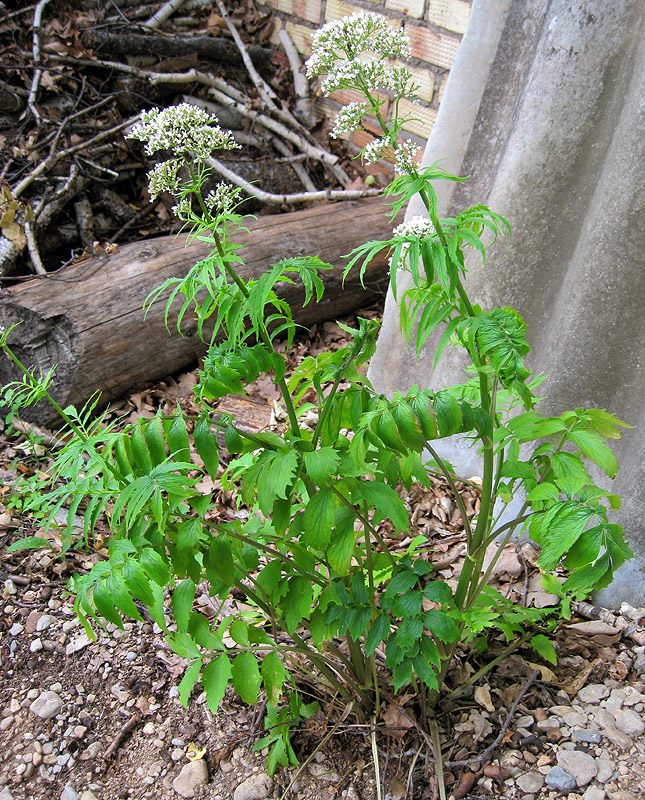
88,318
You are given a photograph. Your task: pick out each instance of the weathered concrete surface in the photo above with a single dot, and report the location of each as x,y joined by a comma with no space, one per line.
544,109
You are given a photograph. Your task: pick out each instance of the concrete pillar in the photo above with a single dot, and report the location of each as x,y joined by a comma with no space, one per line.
544,109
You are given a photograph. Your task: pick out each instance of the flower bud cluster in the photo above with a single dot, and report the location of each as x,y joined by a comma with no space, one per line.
222,198
348,119
185,129
164,177
417,227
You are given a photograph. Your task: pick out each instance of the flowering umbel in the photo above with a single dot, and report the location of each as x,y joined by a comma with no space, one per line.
190,133
185,129
354,53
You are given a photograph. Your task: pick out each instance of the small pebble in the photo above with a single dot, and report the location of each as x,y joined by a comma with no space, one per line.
593,693
560,780
580,765
16,629
47,705
630,722
587,735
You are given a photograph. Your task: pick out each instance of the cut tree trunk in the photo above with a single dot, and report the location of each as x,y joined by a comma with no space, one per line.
88,320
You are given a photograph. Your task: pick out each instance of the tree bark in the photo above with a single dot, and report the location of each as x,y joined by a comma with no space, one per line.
88,320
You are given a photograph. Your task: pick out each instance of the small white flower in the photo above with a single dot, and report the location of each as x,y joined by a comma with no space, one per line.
348,119
416,228
185,129
404,154
376,149
183,209
164,177
346,38
222,198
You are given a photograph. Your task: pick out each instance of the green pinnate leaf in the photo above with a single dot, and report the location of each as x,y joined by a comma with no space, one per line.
215,678
154,437
595,449
408,604
448,413
188,681
154,565
190,533
137,581
386,502
409,632
246,678
443,627
206,446
177,438
379,631
438,592
558,529
182,603
321,464
274,676
281,471
318,519
544,647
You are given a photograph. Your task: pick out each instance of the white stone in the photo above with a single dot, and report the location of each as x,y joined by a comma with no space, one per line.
580,765
15,629
530,782
44,622
256,787
593,693
192,776
69,793
594,793
46,705
630,722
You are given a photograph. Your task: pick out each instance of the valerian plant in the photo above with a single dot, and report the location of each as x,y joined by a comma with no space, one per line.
321,586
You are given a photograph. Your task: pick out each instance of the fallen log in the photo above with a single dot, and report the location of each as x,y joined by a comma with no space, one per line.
87,319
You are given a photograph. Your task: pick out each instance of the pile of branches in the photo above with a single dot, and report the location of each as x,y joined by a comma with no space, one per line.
76,75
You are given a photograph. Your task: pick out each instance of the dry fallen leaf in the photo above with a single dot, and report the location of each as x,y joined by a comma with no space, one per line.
482,696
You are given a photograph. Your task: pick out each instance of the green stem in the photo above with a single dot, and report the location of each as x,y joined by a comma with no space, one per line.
366,525
264,334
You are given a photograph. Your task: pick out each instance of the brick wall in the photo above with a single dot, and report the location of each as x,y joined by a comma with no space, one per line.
435,28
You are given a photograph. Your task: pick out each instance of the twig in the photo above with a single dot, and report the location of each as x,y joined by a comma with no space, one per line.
135,219
280,199
48,207
34,254
52,159
304,764
85,220
297,166
303,108
634,632
522,560
35,49
121,735
166,10
482,756
266,92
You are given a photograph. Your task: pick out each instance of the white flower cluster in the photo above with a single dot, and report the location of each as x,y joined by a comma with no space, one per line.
376,149
347,37
222,198
183,209
416,227
348,119
164,177
404,154
184,129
